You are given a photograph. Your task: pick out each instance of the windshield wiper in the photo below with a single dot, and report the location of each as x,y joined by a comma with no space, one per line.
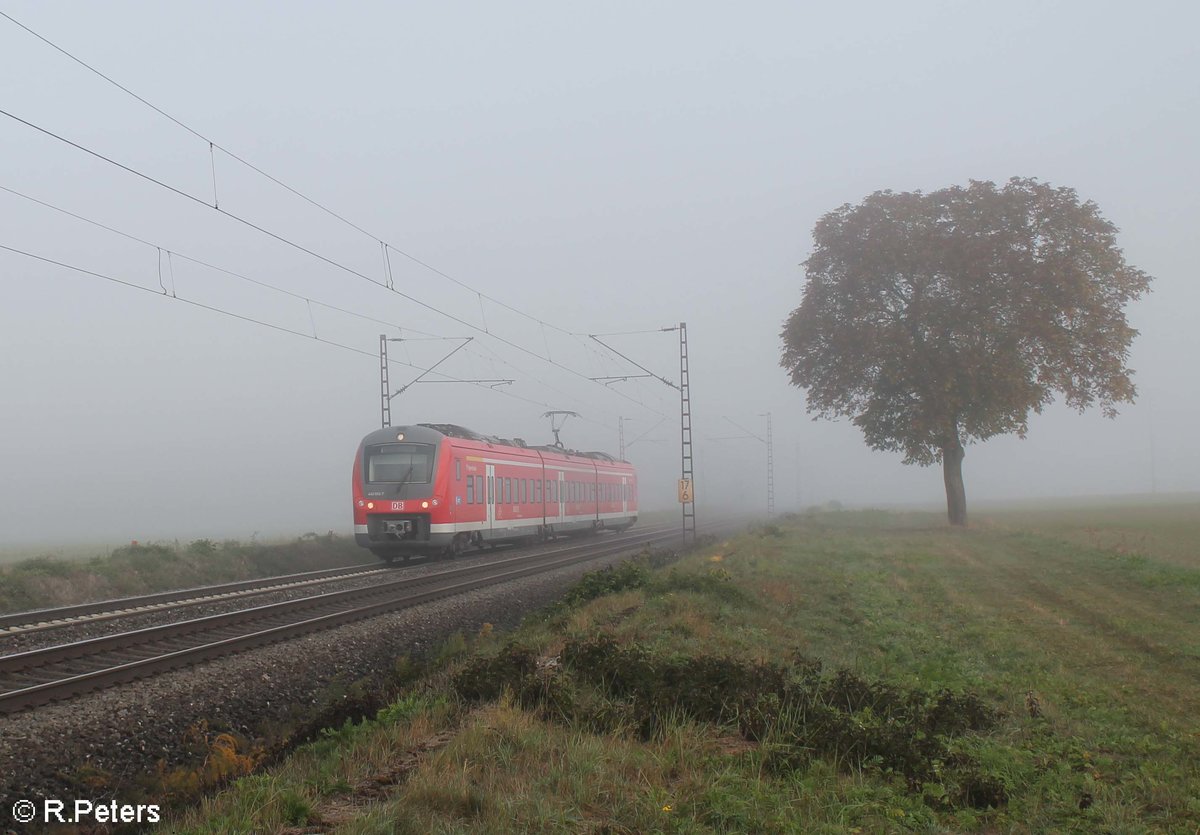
404,479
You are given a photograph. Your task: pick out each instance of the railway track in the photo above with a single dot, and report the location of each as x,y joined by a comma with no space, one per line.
43,619
40,676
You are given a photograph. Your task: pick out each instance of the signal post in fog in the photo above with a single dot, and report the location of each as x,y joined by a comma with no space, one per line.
687,496
770,443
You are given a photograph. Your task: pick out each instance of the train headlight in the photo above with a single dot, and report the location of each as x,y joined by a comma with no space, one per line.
400,437
424,505
361,502
370,505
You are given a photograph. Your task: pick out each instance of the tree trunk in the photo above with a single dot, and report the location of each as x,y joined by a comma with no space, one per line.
956,494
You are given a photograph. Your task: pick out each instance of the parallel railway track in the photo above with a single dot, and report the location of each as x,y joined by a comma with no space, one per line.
40,676
43,619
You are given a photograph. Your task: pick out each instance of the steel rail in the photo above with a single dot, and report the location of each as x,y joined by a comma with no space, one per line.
397,594
44,656
35,619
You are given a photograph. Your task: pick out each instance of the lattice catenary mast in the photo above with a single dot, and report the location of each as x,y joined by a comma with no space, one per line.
685,434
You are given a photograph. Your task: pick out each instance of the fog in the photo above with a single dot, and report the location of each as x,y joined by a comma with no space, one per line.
623,167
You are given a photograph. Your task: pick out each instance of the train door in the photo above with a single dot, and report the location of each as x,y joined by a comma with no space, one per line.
562,495
491,496
624,494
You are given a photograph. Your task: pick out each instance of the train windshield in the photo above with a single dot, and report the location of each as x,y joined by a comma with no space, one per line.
405,463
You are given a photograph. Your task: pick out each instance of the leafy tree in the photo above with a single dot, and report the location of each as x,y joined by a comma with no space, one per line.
935,320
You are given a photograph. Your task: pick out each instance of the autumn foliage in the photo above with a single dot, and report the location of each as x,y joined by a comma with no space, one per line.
937,319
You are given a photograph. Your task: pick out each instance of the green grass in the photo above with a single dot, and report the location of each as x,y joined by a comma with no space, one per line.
836,672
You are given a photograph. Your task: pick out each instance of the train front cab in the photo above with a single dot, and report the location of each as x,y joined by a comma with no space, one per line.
399,474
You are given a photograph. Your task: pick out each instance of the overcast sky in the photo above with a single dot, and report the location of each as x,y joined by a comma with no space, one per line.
618,167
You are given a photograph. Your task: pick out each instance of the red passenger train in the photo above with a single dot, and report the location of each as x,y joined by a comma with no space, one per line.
439,488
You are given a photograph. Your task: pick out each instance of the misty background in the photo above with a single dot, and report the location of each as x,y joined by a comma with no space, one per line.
623,167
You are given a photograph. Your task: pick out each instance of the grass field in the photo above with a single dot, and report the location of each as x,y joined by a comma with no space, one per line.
837,672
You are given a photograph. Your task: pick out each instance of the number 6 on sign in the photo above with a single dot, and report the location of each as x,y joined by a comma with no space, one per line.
685,490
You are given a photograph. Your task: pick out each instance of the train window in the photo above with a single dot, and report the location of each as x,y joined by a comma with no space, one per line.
470,491
403,463
458,469
524,490
491,488
537,491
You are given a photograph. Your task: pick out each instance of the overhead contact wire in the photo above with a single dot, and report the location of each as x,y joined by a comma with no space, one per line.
244,318
312,253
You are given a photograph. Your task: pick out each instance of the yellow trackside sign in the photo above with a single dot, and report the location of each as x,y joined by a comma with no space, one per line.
685,491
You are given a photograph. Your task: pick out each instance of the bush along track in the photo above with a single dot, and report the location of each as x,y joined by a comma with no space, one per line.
834,672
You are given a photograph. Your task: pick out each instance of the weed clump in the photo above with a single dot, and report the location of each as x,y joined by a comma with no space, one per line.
715,583
484,678
622,577
794,712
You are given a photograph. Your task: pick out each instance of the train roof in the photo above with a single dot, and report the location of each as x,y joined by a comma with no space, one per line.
453,430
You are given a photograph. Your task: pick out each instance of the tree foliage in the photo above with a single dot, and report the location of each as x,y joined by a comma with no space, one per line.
942,318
